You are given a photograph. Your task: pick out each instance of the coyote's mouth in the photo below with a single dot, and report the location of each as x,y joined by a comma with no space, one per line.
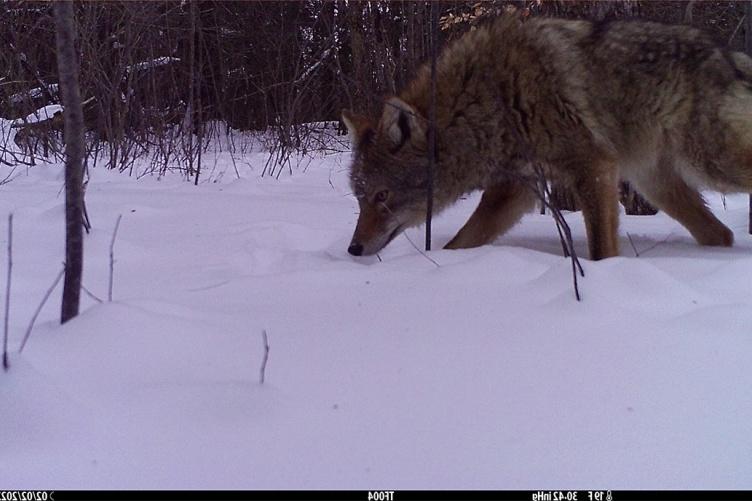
375,245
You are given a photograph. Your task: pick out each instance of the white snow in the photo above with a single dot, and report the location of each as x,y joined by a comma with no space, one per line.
481,373
34,93
40,115
153,63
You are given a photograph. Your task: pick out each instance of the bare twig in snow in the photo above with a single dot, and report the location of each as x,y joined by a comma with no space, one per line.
86,222
91,294
8,178
411,242
7,291
561,224
39,308
637,254
540,187
420,251
661,242
112,257
266,356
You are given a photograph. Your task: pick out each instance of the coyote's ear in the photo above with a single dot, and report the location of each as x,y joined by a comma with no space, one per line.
358,127
402,122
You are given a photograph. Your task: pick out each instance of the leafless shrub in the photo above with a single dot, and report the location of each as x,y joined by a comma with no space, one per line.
164,81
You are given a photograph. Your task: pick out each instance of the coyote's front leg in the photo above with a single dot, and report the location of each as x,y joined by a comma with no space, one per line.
500,207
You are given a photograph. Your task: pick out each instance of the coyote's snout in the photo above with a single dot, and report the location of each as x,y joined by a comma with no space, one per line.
663,107
376,225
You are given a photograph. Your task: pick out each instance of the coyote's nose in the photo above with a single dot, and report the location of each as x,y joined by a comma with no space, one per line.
355,249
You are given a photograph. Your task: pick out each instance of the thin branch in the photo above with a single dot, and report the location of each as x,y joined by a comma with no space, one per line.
736,30
637,254
420,251
561,223
6,365
563,227
91,294
661,242
541,189
112,257
85,220
8,178
266,356
39,308
410,240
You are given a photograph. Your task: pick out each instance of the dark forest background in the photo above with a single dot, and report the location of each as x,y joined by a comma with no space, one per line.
163,78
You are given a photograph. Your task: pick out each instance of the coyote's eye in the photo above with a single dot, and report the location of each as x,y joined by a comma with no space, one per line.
381,197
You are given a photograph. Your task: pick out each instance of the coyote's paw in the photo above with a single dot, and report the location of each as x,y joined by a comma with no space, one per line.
717,236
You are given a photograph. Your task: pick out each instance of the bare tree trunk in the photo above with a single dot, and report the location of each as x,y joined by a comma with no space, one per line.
190,113
357,47
198,70
432,121
748,50
411,37
67,65
688,12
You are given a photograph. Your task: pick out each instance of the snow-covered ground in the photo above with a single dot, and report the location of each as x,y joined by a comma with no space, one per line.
481,372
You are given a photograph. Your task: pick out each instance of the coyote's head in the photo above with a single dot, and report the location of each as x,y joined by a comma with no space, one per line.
388,174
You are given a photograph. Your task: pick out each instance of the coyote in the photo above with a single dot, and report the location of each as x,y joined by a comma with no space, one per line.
662,106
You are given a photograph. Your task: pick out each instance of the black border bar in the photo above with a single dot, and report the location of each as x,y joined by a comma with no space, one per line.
375,495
